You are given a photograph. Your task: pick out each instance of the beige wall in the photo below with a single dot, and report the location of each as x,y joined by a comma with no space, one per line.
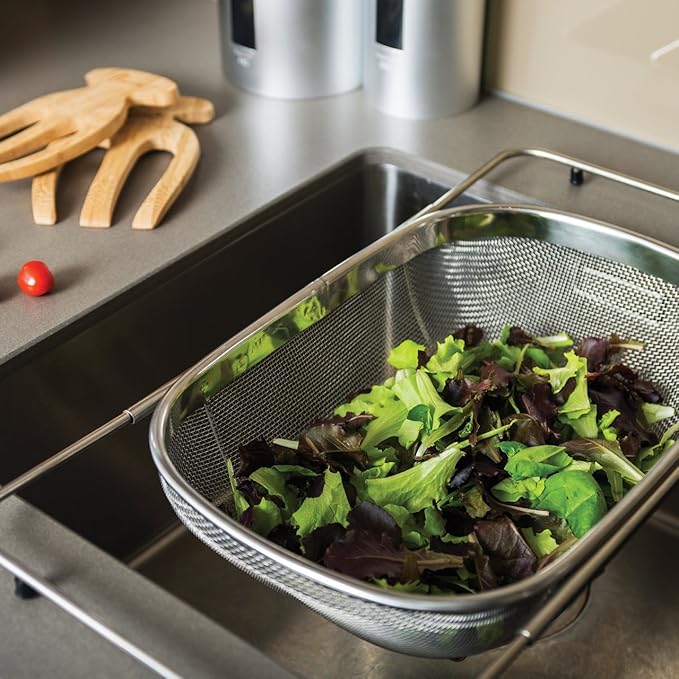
611,63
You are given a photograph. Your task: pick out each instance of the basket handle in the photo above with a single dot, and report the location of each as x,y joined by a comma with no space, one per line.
577,168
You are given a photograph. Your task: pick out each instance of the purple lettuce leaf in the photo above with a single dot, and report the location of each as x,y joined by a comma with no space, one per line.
458,522
494,375
614,393
317,542
334,445
457,392
364,554
510,556
253,455
349,422
540,405
595,350
484,571
518,337
286,537
526,429
371,518
471,334
462,474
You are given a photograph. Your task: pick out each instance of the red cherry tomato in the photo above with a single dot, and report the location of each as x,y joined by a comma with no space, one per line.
35,278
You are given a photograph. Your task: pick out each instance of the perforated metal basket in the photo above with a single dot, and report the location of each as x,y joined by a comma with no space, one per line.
544,270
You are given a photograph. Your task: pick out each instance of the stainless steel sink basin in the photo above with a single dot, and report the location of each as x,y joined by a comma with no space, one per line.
62,389
110,495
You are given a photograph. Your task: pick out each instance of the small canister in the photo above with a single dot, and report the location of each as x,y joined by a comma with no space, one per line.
292,49
423,58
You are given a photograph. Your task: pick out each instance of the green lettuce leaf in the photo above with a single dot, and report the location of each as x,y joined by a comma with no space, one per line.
584,466
537,461
376,472
538,356
560,341
414,389
409,432
447,357
655,412
574,496
511,447
378,456
386,425
419,486
473,502
559,376
608,431
584,426
434,523
412,537
265,516
294,470
240,504
275,483
331,506
512,490
615,482
541,543
647,457
422,413
508,357
375,402
452,424
608,454
577,404
405,355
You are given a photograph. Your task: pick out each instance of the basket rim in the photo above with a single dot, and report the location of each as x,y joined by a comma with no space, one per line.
512,594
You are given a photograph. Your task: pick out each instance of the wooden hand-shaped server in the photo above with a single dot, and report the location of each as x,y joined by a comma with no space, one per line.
126,111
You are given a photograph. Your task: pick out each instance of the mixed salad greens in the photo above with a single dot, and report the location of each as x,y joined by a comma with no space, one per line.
473,466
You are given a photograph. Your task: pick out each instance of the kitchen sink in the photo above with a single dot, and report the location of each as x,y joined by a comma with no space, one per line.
87,373
60,390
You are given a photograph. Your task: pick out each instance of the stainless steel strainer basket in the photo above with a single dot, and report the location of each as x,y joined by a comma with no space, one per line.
541,269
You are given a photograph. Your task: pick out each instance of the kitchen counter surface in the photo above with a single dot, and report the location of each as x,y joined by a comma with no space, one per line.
256,150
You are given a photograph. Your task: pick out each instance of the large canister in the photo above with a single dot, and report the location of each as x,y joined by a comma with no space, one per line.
293,49
423,57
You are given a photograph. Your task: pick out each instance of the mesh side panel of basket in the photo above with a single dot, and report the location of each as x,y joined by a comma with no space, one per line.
420,633
540,286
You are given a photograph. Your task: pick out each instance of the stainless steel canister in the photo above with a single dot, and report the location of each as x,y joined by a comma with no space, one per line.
292,49
423,57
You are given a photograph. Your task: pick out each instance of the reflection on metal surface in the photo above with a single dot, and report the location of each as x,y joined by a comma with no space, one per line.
666,519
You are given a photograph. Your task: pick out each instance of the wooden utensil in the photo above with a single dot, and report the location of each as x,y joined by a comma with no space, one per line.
71,122
145,130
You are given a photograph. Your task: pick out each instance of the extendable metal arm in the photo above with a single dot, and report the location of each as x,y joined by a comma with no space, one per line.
562,159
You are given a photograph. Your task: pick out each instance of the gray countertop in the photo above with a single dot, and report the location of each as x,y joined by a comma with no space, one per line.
255,150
